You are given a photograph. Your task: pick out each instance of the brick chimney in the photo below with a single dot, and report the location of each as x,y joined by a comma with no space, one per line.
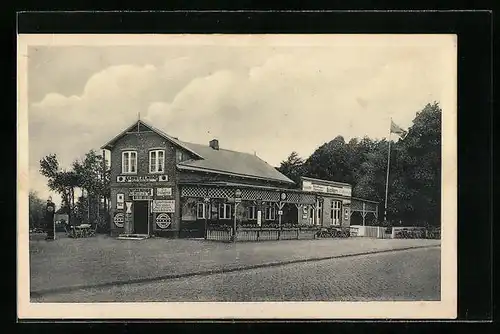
214,143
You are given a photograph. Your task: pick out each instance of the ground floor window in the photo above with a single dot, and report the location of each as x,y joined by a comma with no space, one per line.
225,211
335,213
201,211
270,212
252,212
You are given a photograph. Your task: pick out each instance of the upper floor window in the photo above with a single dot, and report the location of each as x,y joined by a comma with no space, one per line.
157,161
129,162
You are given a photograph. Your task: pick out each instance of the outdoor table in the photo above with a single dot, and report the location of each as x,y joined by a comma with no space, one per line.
82,230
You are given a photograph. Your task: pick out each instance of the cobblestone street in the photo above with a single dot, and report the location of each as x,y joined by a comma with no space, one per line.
399,275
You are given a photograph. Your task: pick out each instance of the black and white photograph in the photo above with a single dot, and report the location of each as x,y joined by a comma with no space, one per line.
173,176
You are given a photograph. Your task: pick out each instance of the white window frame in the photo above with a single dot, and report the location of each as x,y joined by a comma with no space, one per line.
319,212
336,212
225,211
128,170
156,161
252,212
203,211
270,212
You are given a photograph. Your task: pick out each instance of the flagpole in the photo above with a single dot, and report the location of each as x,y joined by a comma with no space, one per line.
387,176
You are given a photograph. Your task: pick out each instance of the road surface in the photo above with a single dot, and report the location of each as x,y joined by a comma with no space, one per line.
399,275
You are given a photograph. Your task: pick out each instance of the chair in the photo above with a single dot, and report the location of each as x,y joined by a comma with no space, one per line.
91,231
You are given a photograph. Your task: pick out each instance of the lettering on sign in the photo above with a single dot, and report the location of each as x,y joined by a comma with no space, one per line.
140,192
119,219
334,190
144,178
119,205
163,220
259,217
164,191
164,205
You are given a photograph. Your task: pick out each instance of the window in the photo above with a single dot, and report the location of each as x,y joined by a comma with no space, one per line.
319,212
252,212
270,212
129,162
201,211
180,156
156,161
335,212
225,211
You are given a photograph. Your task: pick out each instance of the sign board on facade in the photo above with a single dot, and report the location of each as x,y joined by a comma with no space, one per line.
119,219
133,192
163,220
237,200
346,213
259,217
164,191
320,188
163,205
129,207
120,198
119,205
144,178
280,212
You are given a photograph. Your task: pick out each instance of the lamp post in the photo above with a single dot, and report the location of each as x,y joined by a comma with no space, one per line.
237,201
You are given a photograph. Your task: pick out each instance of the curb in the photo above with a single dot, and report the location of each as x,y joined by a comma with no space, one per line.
42,292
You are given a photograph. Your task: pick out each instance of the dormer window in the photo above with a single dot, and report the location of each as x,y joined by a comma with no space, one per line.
129,162
157,161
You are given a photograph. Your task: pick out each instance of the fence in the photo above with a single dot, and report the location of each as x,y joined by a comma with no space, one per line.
219,235
263,234
369,231
413,232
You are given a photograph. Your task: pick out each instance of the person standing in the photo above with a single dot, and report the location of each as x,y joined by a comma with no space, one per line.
50,210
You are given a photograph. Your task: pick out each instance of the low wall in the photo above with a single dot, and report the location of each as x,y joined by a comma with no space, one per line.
416,232
263,234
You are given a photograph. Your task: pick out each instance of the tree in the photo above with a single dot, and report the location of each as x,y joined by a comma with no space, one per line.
292,167
36,210
61,181
417,189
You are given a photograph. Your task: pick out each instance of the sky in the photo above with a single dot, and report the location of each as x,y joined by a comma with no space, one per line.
270,96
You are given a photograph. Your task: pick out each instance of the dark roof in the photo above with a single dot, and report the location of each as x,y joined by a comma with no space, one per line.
241,185
231,162
217,161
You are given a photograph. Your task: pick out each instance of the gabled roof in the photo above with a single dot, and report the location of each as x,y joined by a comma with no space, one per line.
215,161
141,123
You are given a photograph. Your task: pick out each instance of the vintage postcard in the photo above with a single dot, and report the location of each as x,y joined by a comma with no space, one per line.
237,176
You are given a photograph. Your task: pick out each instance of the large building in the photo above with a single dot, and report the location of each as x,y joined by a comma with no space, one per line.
163,186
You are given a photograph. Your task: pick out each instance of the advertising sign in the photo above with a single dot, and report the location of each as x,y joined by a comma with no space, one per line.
119,205
163,220
142,178
119,219
129,207
259,217
140,192
280,212
164,205
320,188
164,191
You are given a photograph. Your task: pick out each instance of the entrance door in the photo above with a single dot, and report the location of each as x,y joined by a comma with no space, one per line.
141,217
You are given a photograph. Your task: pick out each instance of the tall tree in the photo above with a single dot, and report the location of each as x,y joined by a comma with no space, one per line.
292,167
61,181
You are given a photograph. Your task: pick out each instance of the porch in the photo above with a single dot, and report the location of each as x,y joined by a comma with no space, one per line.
223,211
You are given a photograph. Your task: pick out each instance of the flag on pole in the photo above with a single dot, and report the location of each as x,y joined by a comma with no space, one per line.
397,129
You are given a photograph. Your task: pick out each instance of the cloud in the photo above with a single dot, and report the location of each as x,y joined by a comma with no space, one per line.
292,100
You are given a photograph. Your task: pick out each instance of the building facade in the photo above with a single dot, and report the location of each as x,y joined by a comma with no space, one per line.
167,187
